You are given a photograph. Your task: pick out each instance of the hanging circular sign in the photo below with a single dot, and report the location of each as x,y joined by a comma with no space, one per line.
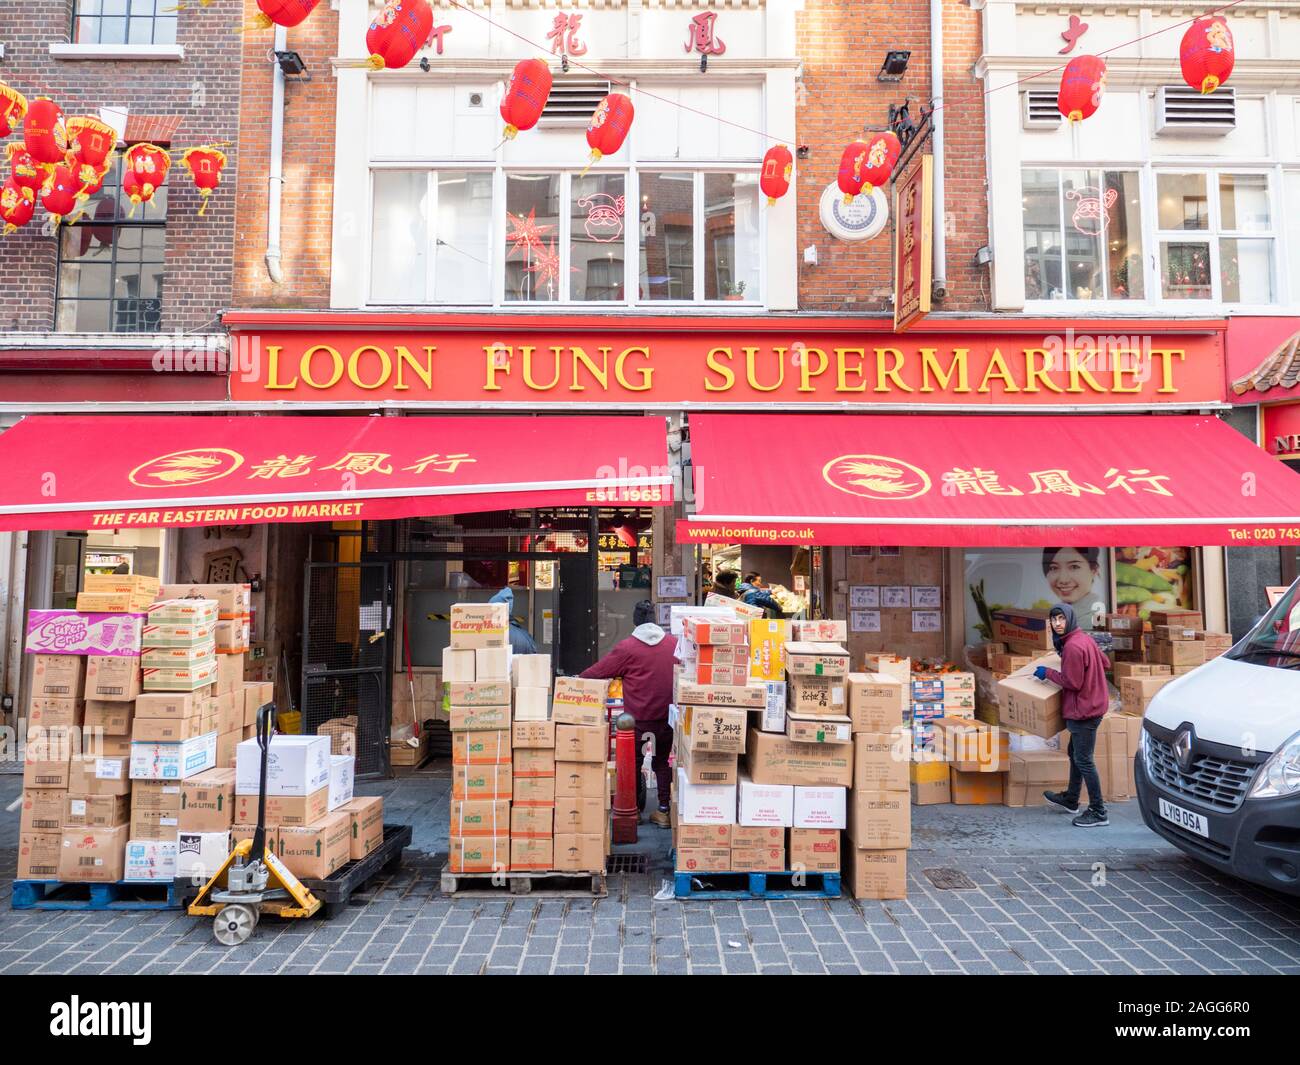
862,219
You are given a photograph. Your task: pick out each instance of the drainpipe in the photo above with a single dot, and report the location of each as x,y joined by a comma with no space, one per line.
275,180
939,286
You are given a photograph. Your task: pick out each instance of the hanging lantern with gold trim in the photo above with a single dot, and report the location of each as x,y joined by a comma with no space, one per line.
59,193
17,204
23,169
144,169
774,178
205,165
400,30
1207,54
44,134
13,108
526,94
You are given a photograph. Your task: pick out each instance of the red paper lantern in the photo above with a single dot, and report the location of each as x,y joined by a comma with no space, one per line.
610,123
399,31
205,165
44,132
853,167
774,178
1207,54
24,170
883,151
286,13
526,95
92,140
13,108
1082,86
17,203
144,169
59,194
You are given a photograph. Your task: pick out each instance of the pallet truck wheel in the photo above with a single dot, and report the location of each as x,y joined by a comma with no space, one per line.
234,924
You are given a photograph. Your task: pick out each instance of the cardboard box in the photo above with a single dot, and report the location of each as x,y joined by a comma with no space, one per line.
90,775
60,676
179,634
366,814
932,792
533,734
181,680
532,704
96,811
879,820
891,665
121,583
317,849
1008,663
112,719
166,729
775,759
706,673
243,832
531,671
200,854
1177,653
1136,693
1123,670
112,678
744,696
759,859
578,743
1192,619
822,630
764,805
478,854
488,693
458,665
1025,627
161,795
720,729
703,859
150,859
820,807
1118,737
758,837
170,705
173,761
1033,772
70,632
805,658
817,695
767,640
480,718
230,672
43,811
1177,633
208,802
973,746
715,630
342,776
39,854
491,747
878,874
482,781
295,765
814,850
816,728
230,711
534,791
1129,624
153,824
880,761
531,853
106,746
579,853
256,695
178,657
232,636
772,717
713,654
533,822
976,789
704,767
705,804
579,701
200,603
113,602
480,625
46,774
876,702
926,690
491,663
92,855
1033,706
579,779
45,712
580,816
480,817
1029,650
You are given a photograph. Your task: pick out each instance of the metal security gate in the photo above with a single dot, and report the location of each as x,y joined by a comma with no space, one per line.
347,654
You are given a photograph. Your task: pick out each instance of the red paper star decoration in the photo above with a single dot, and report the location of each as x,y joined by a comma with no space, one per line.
526,234
545,263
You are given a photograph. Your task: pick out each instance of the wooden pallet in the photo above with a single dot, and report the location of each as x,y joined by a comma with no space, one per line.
119,895
524,883
756,885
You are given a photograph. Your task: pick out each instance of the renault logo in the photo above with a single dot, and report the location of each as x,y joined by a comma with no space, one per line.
1183,750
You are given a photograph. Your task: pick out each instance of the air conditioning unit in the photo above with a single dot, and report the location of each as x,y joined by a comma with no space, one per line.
1039,110
1182,110
572,101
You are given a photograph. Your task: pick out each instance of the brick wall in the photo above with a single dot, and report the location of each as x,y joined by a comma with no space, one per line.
842,45
202,90
307,196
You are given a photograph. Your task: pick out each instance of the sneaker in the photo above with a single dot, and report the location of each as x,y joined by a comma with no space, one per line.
661,818
1057,798
1090,819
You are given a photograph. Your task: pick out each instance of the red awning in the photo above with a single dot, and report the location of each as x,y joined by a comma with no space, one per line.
72,472
985,481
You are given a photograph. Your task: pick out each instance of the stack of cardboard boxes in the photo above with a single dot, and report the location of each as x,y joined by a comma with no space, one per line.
582,779
879,822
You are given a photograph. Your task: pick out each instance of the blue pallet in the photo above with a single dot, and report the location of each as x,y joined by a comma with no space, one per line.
120,895
756,886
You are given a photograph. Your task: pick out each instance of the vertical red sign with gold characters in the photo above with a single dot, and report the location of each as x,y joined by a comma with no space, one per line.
912,235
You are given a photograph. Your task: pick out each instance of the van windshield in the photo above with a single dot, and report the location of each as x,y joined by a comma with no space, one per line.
1275,639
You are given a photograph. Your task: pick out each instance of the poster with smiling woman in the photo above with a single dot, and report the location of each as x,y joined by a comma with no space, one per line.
1035,579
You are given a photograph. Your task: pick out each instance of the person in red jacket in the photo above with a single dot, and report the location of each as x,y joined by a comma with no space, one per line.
645,662
1085,698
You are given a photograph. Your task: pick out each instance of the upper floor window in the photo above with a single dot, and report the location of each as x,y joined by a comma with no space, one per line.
111,264
1216,237
124,22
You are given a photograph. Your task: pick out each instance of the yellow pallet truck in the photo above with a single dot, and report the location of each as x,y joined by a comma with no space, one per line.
245,887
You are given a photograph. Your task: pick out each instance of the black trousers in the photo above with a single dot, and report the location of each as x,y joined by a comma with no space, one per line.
1083,769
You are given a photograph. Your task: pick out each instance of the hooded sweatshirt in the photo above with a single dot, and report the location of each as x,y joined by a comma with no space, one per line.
520,642
645,662
1082,676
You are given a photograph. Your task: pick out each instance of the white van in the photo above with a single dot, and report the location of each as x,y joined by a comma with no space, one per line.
1218,772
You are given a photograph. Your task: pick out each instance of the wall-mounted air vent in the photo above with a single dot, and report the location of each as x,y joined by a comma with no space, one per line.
1039,110
1180,110
572,100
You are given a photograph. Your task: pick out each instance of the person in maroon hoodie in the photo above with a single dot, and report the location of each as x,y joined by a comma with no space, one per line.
645,662
1085,698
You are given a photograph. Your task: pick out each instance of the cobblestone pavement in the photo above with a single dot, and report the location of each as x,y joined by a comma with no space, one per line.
1040,903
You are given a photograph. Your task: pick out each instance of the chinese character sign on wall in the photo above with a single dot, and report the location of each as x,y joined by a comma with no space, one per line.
912,220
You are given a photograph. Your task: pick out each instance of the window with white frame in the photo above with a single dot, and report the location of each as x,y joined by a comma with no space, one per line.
1291,198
